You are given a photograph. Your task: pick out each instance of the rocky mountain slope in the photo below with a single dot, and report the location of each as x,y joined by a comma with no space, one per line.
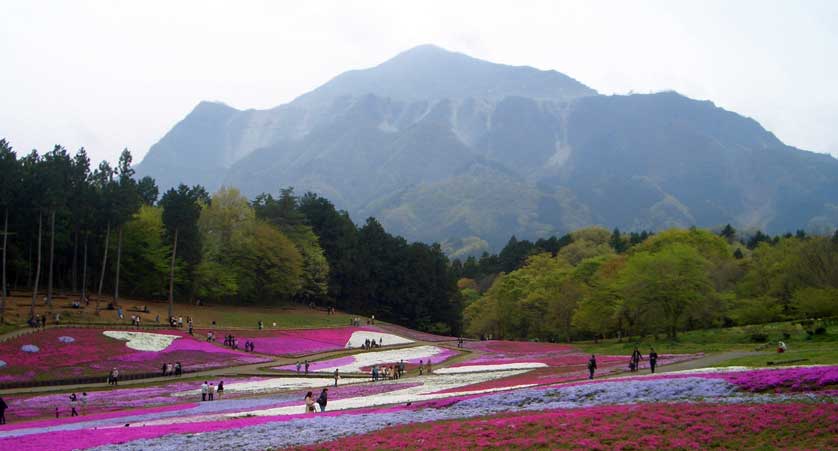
444,147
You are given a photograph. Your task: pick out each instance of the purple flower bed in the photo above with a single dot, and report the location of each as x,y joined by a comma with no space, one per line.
800,379
39,406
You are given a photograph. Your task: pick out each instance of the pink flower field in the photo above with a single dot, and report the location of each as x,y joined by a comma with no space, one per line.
788,408
655,426
93,354
295,342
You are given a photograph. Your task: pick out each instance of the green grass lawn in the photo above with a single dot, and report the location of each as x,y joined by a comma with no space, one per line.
814,353
819,349
285,319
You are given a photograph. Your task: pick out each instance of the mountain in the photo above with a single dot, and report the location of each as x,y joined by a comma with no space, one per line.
444,147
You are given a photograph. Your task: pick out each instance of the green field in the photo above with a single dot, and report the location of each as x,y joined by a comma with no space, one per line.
763,338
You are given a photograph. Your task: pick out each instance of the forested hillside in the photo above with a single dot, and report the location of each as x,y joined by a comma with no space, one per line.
98,233
595,283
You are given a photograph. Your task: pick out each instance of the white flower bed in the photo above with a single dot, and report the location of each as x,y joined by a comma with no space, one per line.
425,392
2,364
30,348
272,385
142,341
495,367
359,337
367,359
66,339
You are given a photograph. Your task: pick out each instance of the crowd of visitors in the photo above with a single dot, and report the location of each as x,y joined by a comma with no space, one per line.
209,391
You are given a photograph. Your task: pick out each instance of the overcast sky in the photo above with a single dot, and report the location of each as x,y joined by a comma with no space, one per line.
112,74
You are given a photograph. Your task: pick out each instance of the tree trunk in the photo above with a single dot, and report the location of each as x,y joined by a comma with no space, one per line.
118,256
37,269
3,287
84,271
51,258
172,278
104,265
74,272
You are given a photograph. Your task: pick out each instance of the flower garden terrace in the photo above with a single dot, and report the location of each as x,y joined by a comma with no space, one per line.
482,383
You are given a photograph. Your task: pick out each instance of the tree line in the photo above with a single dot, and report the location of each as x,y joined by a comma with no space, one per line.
101,233
598,283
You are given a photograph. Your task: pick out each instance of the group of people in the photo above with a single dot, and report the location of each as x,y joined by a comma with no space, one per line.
385,372
170,369
135,321
370,344
636,357
425,367
322,400
209,391
38,321
300,365
233,343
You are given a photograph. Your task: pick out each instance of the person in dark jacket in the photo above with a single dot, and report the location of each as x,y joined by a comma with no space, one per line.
636,357
3,407
591,366
653,359
323,399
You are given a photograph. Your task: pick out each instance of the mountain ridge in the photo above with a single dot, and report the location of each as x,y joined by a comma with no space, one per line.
437,144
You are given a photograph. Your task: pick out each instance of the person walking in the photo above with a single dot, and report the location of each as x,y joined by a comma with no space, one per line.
653,359
220,389
591,366
299,365
309,402
115,376
421,367
307,365
337,376
323,399
3,407
73,404
211,392
636,357
83,403
204,391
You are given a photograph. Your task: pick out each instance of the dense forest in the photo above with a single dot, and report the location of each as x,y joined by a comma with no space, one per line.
100,233
596,283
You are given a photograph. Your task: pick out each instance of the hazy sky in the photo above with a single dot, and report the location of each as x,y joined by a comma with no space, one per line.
112,74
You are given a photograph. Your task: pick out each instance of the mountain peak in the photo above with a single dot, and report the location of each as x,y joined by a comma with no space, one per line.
429,72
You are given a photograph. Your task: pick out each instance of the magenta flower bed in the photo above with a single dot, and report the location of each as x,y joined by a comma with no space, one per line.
91,353
294,342
656,426
800,379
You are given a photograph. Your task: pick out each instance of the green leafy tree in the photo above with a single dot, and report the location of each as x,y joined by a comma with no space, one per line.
665,285
10,182
56,170
147,190
181,210
127,203
270,267
146,258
